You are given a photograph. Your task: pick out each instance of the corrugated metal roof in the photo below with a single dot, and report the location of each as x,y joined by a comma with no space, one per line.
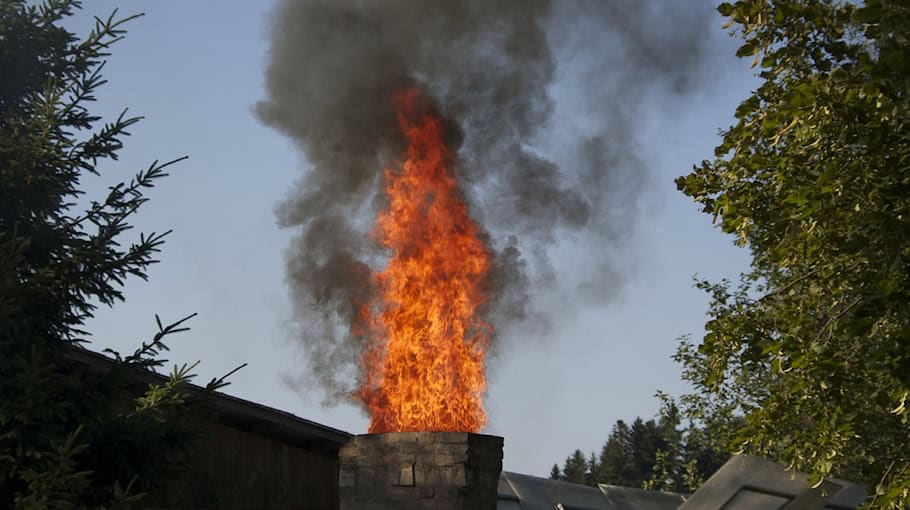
525,492
743,483
627,498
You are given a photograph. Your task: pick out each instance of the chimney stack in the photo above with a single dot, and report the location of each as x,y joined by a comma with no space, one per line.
420,470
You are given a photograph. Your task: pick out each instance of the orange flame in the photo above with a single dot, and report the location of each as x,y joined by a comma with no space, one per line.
424,358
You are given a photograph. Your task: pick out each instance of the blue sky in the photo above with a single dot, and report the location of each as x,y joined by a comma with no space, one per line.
195,70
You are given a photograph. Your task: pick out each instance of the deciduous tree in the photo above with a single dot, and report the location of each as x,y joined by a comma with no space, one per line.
812,346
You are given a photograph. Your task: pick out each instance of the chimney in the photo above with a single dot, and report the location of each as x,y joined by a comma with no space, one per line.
420,470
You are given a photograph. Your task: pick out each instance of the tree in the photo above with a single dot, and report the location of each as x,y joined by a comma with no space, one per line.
72,437
812,347
615,462
628,457
659,455
575,469
688,455
555,473
590,478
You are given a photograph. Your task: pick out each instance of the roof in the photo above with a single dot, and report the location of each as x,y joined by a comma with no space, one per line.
241,413
752,482
627,498
744,482
524,492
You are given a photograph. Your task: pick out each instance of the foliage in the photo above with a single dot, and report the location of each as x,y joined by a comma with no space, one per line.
73,436
812,347
555,473
575,469
628,457
689,454
657,455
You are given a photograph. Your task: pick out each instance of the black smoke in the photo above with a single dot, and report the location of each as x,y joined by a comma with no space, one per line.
536,171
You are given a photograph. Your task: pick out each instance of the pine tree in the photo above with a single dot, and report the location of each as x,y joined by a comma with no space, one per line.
659,455
615,463
555,473
68,438
591,474
689,454
575,469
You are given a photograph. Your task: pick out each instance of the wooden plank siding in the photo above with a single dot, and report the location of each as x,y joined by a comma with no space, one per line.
251,457
241,469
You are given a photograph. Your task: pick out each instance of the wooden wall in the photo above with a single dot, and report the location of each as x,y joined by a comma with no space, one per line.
242,469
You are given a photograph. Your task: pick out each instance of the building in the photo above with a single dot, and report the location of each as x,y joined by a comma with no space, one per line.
253,457
257,457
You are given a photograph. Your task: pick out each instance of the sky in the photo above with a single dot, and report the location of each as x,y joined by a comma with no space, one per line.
195,71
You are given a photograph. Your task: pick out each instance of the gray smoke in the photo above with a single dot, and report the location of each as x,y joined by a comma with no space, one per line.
537,172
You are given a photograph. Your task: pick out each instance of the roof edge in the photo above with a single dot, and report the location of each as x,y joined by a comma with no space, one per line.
236,411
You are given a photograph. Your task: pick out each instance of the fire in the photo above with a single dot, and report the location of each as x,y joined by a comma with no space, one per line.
424,357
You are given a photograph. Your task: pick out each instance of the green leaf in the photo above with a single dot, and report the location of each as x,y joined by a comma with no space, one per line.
812,178
751,47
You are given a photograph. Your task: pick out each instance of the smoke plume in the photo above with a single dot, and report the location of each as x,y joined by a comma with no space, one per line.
541,99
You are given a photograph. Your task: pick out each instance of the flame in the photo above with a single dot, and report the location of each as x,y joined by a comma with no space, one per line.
424,356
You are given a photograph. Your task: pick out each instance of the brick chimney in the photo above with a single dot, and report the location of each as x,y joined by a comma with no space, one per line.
420,470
